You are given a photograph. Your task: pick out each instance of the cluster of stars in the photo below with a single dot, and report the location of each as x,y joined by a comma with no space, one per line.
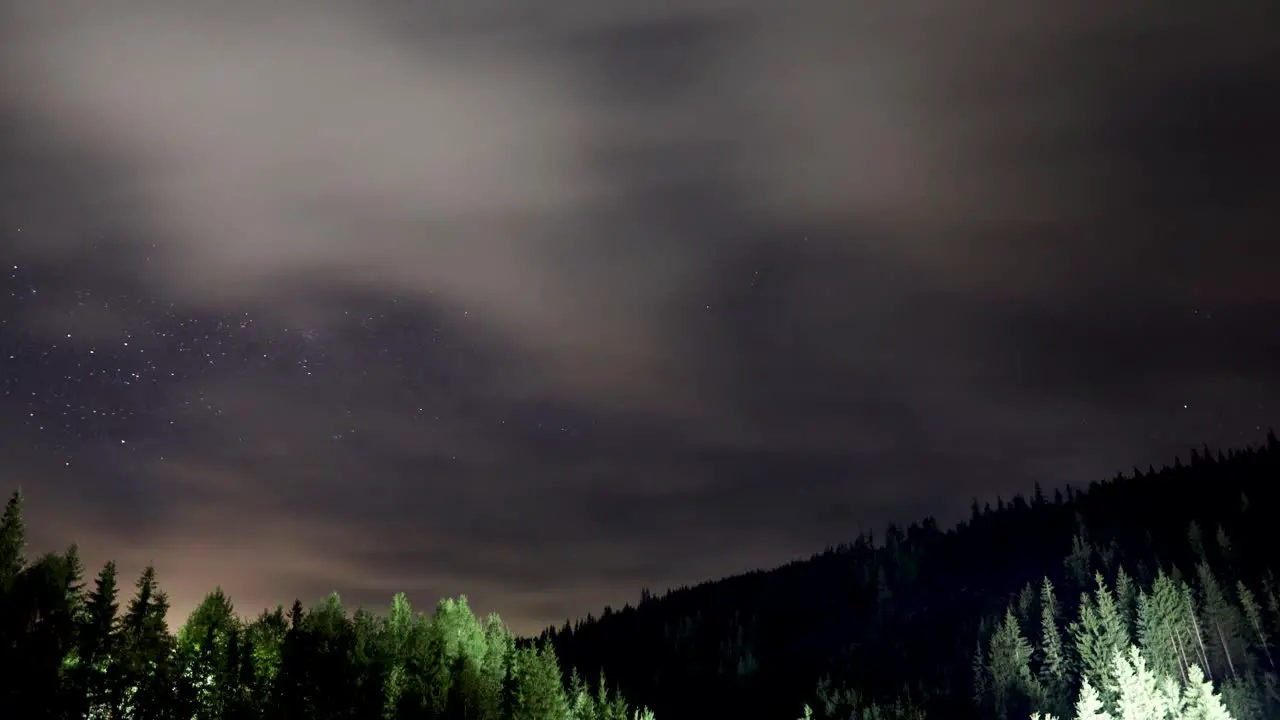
125,387
101,371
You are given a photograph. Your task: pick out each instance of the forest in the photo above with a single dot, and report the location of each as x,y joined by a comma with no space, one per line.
1148,596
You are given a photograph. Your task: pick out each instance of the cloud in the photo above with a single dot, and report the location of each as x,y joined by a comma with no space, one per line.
527,176
886,256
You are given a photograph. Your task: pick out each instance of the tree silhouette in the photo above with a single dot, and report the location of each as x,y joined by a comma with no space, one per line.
1154,593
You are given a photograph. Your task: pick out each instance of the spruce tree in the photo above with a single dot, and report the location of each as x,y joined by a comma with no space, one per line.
1163,633
156,686
1253,617
1089,705
1078,563
1053,674
1222,624
1140,693
397,638
202,642
1015,691
1200,702
1099,635
1195,536
13,541
98,650
1126,601
536,691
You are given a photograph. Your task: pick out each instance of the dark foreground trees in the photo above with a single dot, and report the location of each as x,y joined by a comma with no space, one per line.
1149,597
72,649
915,620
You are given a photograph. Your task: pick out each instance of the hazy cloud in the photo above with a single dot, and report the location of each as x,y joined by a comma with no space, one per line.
887,256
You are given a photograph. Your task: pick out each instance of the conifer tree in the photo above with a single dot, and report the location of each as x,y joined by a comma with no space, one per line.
1053,674
1200,702
1222,624
1196,537
291,683
203,644
101,679
1253,617
13,541
1226,550
1098,635
1126,601
1014,689
1078,563
1026,605
981,677
581,705
1163,633
1140,693
397,639
152,688
536,691
1089,705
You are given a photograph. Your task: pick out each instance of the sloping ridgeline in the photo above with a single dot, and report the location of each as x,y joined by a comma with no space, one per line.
915,620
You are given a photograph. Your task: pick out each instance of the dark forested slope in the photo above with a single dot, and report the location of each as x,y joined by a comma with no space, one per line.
1153,592
909,618
72,650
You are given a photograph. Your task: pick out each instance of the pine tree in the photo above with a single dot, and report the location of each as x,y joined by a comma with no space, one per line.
1126,601
1222,624
1196,537
1163,633
1099,635
1226,550
397,639
146,648
13,541
1026,605
1197,642
1253,616
981,677
1117,631
1014,689
536,691
1141,693
1089,705
1053,674
1199,700
581,705
291,685
98,645
203,644
1078,562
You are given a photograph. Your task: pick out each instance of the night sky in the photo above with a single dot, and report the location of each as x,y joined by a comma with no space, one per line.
546,306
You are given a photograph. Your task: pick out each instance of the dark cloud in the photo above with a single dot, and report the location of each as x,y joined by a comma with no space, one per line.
548,304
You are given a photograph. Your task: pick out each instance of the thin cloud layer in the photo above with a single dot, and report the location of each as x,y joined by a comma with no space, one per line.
606,275
492,164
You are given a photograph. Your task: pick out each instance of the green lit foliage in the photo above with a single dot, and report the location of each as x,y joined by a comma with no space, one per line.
1150,594
844,703
1014,688
1054,671
74,652
1099,634
1141,694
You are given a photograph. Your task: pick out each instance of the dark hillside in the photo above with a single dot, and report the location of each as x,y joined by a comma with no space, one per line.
900,615
1149,589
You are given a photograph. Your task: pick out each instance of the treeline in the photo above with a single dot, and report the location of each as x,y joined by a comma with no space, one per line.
1158,644
71,651
902,626
1150,596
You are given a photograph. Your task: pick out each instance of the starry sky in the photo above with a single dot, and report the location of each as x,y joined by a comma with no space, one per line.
548,304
